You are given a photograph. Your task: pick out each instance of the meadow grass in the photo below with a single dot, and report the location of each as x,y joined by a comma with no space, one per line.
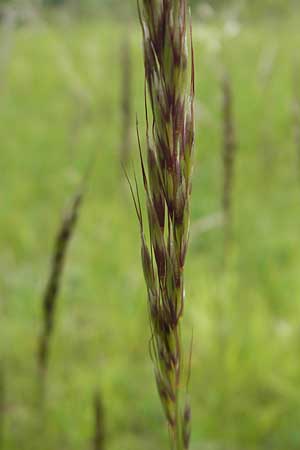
100,337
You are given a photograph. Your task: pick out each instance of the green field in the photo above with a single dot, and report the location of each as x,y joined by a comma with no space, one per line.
60,103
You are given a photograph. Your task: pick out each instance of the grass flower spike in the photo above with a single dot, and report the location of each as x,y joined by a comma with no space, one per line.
169,77
229,152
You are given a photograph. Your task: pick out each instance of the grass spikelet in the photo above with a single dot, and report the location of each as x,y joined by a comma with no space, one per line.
64,235
99,431
229,152
126,95
169,73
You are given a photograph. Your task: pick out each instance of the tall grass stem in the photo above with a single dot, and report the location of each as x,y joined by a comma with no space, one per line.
99,424
126,99
229,155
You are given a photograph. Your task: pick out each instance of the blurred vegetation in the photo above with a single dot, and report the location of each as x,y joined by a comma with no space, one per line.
60,101
252,8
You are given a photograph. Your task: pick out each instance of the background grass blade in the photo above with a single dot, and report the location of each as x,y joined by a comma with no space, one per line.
229,154
64,235
126,99
99,430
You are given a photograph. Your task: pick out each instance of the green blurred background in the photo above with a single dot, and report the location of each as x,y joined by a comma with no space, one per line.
115,7
61,69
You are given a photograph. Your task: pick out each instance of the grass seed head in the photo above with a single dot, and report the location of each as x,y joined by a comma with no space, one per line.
168,63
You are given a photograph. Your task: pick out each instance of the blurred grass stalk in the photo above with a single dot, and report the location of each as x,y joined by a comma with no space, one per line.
167,184
2,406
229,154
296,115
7,32
64,235
206,224
99,431
126,98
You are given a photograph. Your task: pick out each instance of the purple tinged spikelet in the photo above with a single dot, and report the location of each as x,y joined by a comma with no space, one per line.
169,73
187,426
147,267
